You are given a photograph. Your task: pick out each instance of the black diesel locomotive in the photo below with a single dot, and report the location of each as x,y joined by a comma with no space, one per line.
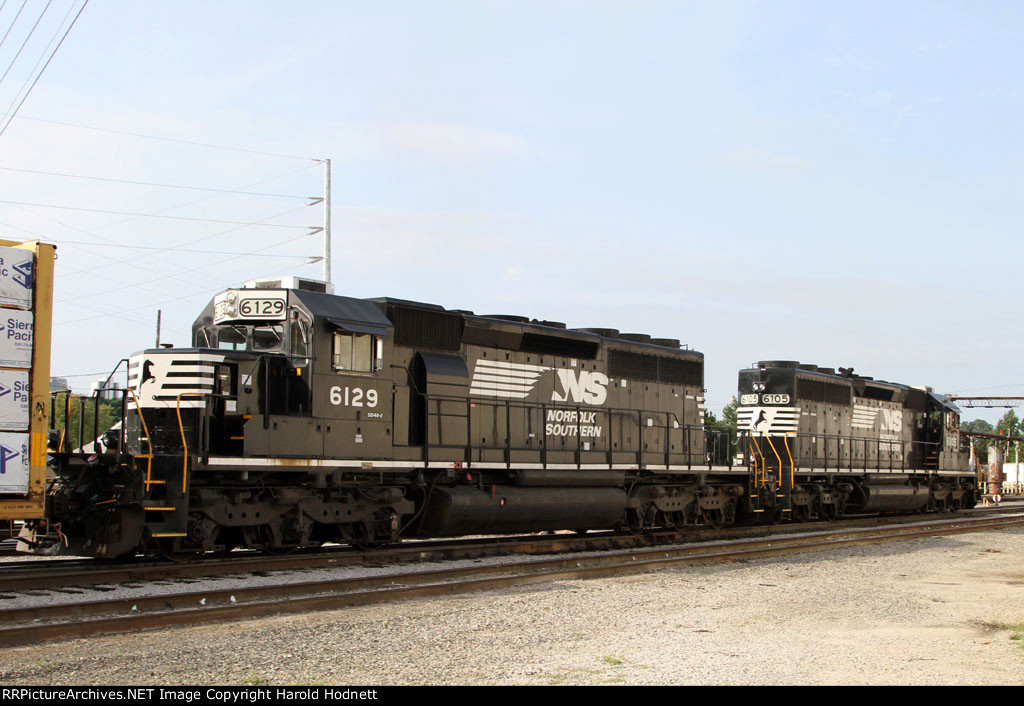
820,442
300,417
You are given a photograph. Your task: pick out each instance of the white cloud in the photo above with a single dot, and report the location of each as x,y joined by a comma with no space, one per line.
433,143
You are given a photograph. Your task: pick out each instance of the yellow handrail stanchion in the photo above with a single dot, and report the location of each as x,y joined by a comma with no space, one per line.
792,463
184,443
149,447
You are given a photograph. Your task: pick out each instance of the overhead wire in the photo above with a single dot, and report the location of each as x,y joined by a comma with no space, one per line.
207,292
11,113
171,208
983,389
171,139
149,215
188,242
151,183
56,241
212,264
13,22
79,296
109,263
28,37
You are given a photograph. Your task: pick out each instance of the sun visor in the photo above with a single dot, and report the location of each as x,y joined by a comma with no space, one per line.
354,327
945,402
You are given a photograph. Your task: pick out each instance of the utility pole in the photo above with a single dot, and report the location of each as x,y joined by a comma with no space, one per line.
327,220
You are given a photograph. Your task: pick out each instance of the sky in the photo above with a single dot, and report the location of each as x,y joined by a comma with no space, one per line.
835,183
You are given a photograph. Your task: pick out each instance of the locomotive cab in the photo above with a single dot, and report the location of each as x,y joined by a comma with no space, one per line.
308,368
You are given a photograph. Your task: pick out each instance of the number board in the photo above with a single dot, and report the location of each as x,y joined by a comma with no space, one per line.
250,305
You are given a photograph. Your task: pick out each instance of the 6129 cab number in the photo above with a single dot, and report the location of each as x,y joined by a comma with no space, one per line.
353,397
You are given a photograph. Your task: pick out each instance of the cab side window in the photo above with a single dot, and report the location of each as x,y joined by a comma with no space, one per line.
300,339
354,352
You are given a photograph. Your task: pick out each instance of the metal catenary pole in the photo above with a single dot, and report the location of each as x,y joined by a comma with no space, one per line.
327,220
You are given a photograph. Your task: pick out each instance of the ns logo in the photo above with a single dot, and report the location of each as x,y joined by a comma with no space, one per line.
892,420
587,387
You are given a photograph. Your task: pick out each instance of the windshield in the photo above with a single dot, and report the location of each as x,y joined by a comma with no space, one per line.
267,338
235,337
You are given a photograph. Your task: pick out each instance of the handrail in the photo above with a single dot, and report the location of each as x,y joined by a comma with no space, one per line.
149,442
764,463
779,458
509,405
792,463
758,478
760,461
184,442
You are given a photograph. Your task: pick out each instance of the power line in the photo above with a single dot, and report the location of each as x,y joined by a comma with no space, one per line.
27,38
42,70
983,389
168,301
181,205
169,139
13,22
188,242
149,215
106,265
177,250
151,183
191,269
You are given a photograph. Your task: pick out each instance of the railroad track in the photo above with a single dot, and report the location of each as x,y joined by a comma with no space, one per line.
173,606
54,573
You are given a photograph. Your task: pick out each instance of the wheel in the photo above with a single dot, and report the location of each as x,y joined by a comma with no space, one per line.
634,521
715,518
815,511
359,535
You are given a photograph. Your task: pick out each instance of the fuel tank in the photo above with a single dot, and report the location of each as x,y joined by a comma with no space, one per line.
465,510
894,498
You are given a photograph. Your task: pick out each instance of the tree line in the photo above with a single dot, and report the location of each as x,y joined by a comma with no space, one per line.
1009,425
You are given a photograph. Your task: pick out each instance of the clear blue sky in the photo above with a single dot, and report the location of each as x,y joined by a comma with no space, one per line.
836,183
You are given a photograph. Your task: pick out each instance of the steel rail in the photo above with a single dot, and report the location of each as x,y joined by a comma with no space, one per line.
32,625
58,572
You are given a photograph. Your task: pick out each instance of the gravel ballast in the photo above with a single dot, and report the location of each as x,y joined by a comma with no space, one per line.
923,611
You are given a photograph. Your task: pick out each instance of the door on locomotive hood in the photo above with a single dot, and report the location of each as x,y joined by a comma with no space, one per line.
353,396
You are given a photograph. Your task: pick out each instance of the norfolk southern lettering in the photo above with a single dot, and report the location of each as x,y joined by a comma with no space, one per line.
569,422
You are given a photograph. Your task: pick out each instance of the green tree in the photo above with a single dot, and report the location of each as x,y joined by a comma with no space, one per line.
729,417
1010,425
980,445
81,429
